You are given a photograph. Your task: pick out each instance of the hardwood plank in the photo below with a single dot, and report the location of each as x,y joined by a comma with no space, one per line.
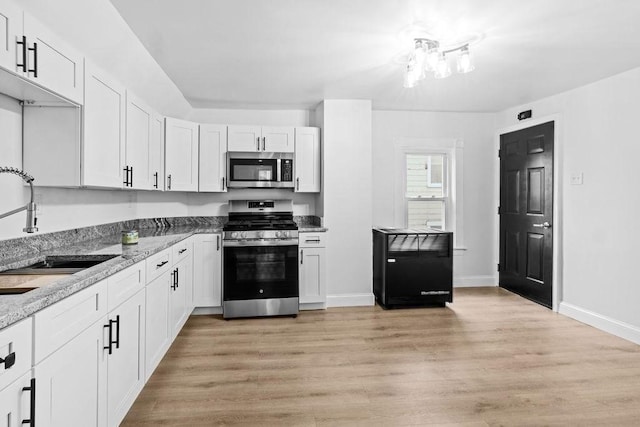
490,358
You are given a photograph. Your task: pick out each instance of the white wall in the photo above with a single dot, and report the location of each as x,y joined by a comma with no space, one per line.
346,127
599,224
250,117
474,266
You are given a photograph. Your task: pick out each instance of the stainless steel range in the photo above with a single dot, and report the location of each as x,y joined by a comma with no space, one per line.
260,259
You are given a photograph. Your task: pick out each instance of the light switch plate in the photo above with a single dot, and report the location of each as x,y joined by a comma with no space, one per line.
577,178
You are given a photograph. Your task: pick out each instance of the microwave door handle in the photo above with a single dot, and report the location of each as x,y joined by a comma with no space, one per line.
279,170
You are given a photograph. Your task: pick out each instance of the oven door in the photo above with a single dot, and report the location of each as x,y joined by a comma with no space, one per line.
258,271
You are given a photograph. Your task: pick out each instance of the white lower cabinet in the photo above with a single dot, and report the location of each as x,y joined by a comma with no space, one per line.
207,270
180,295
313,287
125,356
158,335
15,402
71,382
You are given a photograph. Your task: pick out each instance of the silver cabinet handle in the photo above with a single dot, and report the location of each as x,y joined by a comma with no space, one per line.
258,141
264,143
297,183
217,242
223,183
543,225
301,256
169,182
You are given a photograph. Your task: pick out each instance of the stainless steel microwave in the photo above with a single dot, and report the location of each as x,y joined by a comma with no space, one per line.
259,170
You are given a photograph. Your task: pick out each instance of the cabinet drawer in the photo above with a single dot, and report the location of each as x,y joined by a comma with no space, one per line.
312,240
158,264
16,350
182,250
59,323
124,284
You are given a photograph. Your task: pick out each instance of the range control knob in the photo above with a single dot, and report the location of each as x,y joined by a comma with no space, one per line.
234,234
278,233
285,234
260,234
243,234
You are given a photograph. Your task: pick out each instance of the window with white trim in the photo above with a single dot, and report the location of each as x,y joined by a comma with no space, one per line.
427,200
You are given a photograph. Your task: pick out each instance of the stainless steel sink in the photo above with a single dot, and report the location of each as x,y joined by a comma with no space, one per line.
61,264
51,269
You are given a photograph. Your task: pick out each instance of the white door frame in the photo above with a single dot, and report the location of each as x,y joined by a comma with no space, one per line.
557,199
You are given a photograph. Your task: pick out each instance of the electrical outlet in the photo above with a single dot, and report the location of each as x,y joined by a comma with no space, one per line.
577,178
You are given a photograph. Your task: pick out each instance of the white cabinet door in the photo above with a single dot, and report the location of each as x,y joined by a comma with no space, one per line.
15,402
125,358
156,153
245,138
71,383
277,139
16,351
11,54
181,155
158,334
307,160
181,294
138,137
104,125
312,275
213,158
207,270
51,62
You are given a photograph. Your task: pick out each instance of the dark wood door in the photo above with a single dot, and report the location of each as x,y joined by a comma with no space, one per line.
526,212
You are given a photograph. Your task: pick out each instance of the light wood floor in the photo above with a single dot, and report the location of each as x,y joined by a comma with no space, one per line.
490,358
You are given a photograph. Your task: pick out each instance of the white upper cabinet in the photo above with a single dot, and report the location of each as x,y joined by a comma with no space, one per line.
261,138
10,35
181,155
51,62
104,130
139,121
156,155
277,139
245,138
213,158
307,160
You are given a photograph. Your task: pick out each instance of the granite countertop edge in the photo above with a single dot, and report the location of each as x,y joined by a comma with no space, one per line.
312,228
14,308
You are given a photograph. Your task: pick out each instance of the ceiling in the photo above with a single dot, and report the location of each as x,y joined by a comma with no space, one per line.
295,53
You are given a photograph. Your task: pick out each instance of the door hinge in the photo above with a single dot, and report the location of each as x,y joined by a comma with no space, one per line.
499,212
498,267
499,153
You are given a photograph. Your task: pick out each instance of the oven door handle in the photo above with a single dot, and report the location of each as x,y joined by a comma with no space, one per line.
249,243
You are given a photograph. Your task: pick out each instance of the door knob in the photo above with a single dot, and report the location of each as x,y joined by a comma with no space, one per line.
543,225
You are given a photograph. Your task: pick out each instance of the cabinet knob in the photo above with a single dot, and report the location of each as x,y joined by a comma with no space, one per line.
9,360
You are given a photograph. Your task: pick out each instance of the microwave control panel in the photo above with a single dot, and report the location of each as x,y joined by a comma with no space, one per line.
287,170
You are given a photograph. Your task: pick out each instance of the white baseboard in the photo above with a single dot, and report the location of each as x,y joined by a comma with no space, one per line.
604,323
206,310
474,281
313,306
350,300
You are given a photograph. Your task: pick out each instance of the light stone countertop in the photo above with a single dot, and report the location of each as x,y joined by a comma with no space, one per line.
312,229
14,308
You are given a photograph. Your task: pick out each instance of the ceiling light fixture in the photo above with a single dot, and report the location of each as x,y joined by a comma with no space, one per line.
427,55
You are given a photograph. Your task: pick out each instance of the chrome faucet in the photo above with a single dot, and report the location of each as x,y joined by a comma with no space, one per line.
29,207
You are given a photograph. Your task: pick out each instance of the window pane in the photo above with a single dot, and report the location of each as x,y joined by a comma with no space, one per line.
425,213
425,175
